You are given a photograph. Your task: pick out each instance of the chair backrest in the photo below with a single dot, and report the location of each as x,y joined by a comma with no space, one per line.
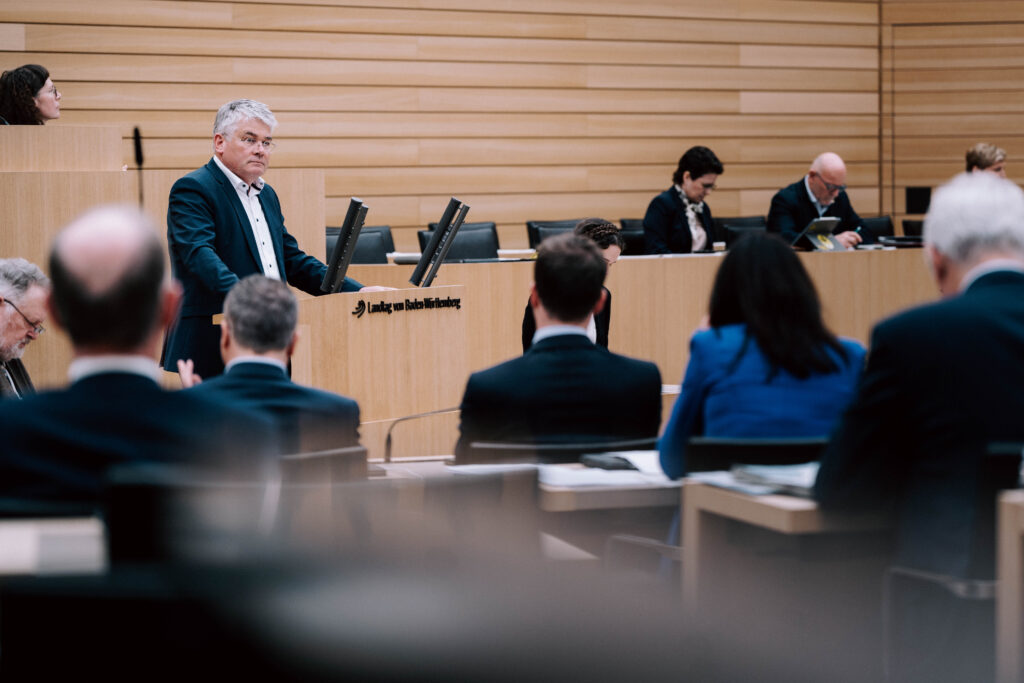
739,224
383,230
705,454
370,248
468,245
912,227
502,452
534,229
479,225
632,224
878,225
632,233
733,233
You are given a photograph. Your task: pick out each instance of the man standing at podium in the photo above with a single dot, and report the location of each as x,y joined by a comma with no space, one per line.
223,223
564,388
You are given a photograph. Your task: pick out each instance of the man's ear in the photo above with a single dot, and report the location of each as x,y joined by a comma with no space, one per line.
225,337
291,345
219,143
51,310
599,306
170,301
534,297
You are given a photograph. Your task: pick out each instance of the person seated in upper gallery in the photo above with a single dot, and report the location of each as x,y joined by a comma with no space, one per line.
608,238
767,366
986,157
110,293
28,96
820,193
565,388
944,381
23,291
678,221
257,340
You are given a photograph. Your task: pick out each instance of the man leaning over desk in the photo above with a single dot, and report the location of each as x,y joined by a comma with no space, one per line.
820,193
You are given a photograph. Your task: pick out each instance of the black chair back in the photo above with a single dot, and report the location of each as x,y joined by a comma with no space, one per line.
739,225
535,236
632,224
469,245
506,452
879,226
912,228
706,454
387,242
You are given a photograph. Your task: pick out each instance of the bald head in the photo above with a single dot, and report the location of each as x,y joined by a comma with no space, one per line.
107,270
827,177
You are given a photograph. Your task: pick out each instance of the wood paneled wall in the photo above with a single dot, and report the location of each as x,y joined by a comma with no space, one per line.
951,77
532,109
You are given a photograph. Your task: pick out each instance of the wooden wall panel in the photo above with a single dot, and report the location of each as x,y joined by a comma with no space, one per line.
951,77
524,109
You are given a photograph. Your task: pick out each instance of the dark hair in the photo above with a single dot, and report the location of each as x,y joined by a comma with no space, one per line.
568,274
763,284
120,317
698,161
261,313
18,88
604,233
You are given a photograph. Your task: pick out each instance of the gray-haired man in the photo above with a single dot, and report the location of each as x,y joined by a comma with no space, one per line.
23,291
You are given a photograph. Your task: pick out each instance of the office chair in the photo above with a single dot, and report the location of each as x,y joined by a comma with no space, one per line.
912,228
633,235
468,244
548,453
880,226
739,224
534,229
387,243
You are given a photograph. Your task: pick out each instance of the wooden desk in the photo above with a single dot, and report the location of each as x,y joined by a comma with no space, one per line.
776,574
52,546
1010,591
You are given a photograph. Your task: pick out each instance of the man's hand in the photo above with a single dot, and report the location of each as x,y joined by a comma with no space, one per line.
188,377
849,239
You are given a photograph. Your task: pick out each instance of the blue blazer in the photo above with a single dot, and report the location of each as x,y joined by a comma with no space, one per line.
942,382
792,209
564,388
211,247
308,419
58,445
718,399
666,230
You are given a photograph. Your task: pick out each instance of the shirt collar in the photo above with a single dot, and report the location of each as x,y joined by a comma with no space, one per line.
237,182
256,359
990,266
87,366
814,200
556,330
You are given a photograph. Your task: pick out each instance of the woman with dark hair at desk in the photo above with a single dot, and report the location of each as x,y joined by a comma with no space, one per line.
607,237
767,367
678,221
28,96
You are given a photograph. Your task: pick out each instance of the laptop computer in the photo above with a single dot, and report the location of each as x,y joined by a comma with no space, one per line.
818,235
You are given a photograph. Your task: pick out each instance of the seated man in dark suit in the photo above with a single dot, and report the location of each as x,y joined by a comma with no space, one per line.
942,382
223,223
820,193
23,290
112,297
564,388
256,341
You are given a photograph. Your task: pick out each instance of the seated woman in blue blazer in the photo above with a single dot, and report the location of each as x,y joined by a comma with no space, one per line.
767,366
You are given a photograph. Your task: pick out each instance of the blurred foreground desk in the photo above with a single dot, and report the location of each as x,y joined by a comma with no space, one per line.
52,546
1010,591
779,576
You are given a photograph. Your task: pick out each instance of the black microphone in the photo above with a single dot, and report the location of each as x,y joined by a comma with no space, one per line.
138,159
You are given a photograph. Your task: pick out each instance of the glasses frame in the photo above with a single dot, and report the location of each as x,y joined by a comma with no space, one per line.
267,145
35,327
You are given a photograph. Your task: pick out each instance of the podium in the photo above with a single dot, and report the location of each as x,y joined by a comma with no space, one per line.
397,353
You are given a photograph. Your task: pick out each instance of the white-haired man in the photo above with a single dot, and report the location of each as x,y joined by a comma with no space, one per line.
23,291
223,223
942,383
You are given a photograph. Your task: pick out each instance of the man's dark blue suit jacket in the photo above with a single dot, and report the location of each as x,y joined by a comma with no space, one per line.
308,419
792,209
211,246
942,382
563,389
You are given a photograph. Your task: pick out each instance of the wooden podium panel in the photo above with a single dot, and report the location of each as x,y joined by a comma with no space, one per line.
408,361
60,148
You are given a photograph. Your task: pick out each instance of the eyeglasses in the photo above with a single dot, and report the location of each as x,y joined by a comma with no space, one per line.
708,187
829,186
249,141
35,327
